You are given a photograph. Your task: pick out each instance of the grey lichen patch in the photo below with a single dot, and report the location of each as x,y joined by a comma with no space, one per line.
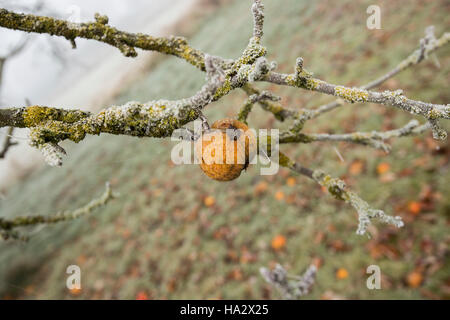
425,50
396,96
259,69
351,94
52,154
437,131
335,187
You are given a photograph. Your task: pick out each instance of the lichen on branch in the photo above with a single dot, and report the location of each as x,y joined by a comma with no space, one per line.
375,139
99,30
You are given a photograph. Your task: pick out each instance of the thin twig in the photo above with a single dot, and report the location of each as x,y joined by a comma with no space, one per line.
8,226
8,143
374,139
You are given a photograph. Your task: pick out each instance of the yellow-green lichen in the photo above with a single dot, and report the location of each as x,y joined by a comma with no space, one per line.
35,115
284,161
224,89
303,80
351,94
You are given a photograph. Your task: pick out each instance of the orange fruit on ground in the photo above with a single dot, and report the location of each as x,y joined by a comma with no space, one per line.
356,167
383,167
209,201
414,279
341,274
75,291
291,181
279,195
278,242
414,207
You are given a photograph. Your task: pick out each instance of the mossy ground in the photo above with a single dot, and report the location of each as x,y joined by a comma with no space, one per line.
160,238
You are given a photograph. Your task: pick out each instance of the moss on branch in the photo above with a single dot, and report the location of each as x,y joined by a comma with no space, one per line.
52,125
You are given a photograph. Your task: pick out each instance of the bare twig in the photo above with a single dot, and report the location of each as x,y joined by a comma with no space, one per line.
374,139
8,143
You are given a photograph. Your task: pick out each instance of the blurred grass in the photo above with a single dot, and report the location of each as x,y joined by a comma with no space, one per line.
159,238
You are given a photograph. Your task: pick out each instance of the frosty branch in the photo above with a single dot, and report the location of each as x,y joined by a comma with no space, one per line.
375,139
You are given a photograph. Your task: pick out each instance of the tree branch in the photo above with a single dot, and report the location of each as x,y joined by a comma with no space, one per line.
429,45
374,139
100,30
8,143
294,288
7,227
388,98
160,118
243,70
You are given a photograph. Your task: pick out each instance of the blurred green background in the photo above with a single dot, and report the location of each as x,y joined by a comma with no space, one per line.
175,234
